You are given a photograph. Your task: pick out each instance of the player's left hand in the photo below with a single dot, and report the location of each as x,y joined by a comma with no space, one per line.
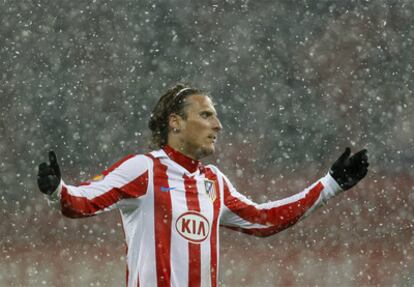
348,171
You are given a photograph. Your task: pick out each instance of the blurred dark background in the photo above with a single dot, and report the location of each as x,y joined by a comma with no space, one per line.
294,82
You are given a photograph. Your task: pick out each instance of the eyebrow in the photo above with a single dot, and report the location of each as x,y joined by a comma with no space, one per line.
209,112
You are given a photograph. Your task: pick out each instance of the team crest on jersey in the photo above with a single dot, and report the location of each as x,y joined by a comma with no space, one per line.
210,189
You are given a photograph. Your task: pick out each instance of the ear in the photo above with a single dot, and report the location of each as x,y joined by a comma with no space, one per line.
175,122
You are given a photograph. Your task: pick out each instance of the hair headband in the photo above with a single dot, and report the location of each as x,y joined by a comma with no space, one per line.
182,91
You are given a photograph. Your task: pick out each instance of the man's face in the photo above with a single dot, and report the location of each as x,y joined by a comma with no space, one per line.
196,134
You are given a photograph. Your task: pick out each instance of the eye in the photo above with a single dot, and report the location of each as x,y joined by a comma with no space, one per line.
206,114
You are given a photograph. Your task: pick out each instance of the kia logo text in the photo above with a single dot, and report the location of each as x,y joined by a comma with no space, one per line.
193,226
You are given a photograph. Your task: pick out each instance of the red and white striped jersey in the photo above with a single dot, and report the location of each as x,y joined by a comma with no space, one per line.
171,208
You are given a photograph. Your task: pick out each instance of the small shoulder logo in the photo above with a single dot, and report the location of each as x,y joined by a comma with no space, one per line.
210,189
166,189
98,177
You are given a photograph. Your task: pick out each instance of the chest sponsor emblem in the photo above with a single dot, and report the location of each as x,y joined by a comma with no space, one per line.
193,226
210,189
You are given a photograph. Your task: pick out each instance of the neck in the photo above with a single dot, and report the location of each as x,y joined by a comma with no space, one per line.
177,145
187,162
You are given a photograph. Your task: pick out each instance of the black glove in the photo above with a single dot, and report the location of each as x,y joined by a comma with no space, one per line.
48,177
347,171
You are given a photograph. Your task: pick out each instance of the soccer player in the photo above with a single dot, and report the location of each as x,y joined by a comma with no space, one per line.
172,205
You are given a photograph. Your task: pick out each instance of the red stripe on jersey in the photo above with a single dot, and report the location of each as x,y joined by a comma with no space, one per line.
262,232
194,250
214,229
162,221
76,206
84,183
279,217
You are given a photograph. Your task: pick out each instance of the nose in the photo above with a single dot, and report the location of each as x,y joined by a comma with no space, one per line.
217,125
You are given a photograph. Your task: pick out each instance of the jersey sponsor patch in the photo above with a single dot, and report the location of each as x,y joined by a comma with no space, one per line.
193,226
210,189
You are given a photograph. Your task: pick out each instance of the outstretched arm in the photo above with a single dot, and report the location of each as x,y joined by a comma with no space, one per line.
239,213
118,186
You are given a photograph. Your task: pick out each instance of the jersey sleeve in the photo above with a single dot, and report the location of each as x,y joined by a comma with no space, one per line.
241,214
116,187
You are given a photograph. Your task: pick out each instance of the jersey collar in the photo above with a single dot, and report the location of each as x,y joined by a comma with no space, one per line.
188,163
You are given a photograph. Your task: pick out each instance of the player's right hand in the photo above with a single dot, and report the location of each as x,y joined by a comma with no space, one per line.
48,177
349,170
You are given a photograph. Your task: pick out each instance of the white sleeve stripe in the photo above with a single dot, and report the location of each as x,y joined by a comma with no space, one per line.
119,177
